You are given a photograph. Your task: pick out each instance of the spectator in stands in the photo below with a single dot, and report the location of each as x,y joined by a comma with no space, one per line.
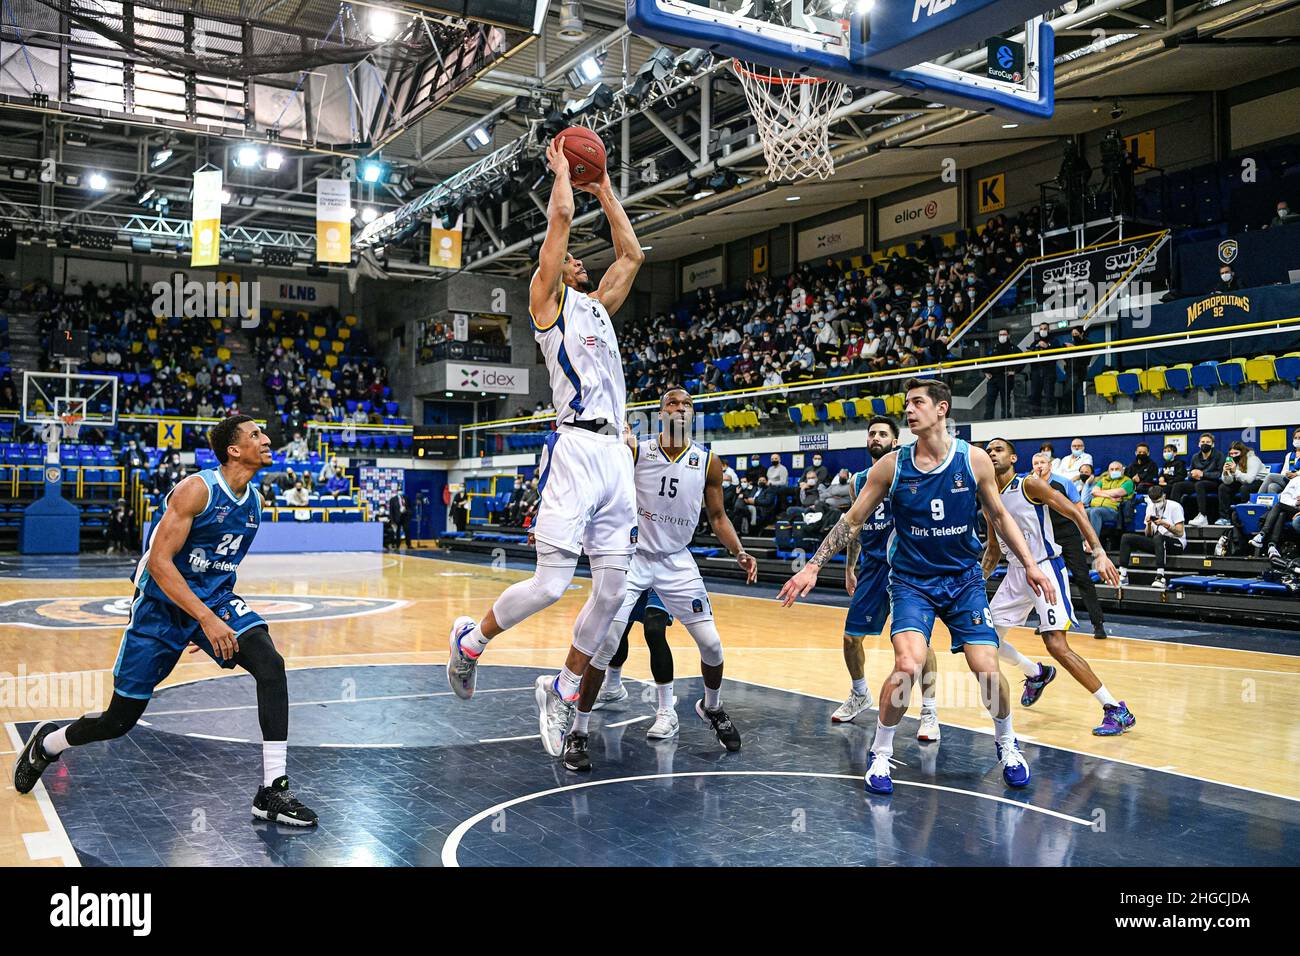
296,450
288,478
1274,483
121,521
765,502
1002,381
1163,533
1173,470
1142,469
1083,484
777,473
528,505
1228,281
1108,492
1042,375
1076,372
460,508
338,485
1204,472
510,514
1284,215
819,469
1072,464
297,496
838,495
132,456
1278,519
745,515
1242,475
267,490
1071,542
399,515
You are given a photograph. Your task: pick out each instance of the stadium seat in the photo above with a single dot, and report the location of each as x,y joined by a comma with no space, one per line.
851,409
1128,383
1179,377
1206,375
1106,385
835,411
1232,373
894,404
796,414
1153,381
1261,371
1287,369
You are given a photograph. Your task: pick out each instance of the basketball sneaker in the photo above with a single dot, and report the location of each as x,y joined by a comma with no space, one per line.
1034,685
928,731
1257,542
853,705
278,804
1159,582
726,731
32,761
1015,769
1200,521
554,714
576,757
1123,577
1221,547
1116,719
878,777
665,725
608,698
462,670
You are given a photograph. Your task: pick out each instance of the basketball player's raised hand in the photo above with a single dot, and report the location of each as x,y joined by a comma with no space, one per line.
601,185
221,637
555,157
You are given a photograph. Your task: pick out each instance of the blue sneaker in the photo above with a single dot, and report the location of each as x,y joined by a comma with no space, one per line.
1015,769
1034,685
1116,719
878,779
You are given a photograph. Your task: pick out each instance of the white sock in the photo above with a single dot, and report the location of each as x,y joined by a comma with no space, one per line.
712,698
665,692
928,705
474,643
1103,696
580,722
274,755
613,678
860,687
567,684
1002,731
56,742
884,742
1009,653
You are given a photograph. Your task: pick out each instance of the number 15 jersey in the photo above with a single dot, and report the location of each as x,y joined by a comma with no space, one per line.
669,495
934,515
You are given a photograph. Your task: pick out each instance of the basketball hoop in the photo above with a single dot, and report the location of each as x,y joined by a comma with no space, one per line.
71,425
793,114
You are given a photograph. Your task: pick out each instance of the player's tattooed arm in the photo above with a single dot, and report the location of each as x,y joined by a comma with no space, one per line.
839,538
851,554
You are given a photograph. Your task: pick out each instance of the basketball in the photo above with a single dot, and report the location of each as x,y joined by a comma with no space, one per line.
586,154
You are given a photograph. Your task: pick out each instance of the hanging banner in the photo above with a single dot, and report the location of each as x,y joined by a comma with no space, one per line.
333,220
839,236
444,244
922,214
1069,275
701,275
205,226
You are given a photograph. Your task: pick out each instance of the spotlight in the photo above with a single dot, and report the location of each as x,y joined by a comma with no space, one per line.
247,200
369,214
247,155
274,256
98,182
144,192
587,71
19,173
72,179
691,61
479,137
601,97
371,171
1116,111
381,24
274,159
163,153
225,197
572,28
863,7
74,137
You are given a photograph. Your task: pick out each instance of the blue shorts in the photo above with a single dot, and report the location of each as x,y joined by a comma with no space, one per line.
648,599
959,600
869,609
158,634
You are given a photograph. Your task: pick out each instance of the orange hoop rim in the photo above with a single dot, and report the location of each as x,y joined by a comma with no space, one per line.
792,80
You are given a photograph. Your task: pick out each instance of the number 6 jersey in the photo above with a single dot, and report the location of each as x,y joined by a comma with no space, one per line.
218,540
669,495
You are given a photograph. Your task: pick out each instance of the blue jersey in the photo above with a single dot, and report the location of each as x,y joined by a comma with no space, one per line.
934,516
878,526
218,540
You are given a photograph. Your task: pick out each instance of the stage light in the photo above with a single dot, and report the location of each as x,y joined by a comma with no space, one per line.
369,214
144,192
247,155
691,61
600,98
163,153
587,71
381,24
371,171
98,182
225,197
274,159
478,137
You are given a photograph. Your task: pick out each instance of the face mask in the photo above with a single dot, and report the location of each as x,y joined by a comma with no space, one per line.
817,462
1284,212
1002,338
1117,473
1205,448
1141,456
1076,452
1225,276
1043,332
1169,455
930,323
898,292
1296,444
948,326
1236,459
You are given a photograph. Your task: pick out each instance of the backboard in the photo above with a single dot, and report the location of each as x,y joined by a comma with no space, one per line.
49,395
879,44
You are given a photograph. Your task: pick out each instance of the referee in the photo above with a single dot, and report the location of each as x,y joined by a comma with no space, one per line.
1071,542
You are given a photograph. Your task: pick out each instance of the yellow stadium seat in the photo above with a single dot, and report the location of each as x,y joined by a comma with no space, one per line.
835,411
331,360
136,347
196,351
153,334
302,315
157,363
1261,371
223,353
313,344
1153,380
326,373
276,313
351,320
1106,385
286,343
318,331
345,334
749,418
216,324
336,347
729,420
894,403
809,413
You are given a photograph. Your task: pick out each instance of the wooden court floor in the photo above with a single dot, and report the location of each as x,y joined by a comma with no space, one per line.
1217,714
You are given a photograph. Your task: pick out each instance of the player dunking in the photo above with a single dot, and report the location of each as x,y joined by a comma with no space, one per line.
183,595
1027,499
869,608
675,478
934,486
587,501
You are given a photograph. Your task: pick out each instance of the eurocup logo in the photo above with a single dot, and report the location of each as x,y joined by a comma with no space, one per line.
1005,58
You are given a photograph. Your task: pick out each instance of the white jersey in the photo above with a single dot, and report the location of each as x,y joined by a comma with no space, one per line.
669,495
582,359
1032,519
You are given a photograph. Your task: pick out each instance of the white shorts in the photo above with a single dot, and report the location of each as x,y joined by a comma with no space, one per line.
675,578
1014,599
588,495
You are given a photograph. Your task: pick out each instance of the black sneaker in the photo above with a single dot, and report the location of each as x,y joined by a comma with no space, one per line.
1099,634
728,736
278,804
575,753
32,761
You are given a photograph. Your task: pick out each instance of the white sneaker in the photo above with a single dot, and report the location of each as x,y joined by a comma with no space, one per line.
928,732
665,725
608,698
1273,552
554,715
1159,583
1257,541
462,670
1221,547
1198,522
1123,577
853,705
1223,523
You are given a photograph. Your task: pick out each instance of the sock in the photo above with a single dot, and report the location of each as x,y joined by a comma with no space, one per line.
1103,696
712,698
928,705
613,678
665,692
1002,731
55,743
474,643
884,743
580,721
860,687
274,755
1009,653
567,684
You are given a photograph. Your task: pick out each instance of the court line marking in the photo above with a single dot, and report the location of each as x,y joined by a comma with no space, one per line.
394,604
452,843
373,746
55,842
340,700
624,723
233,740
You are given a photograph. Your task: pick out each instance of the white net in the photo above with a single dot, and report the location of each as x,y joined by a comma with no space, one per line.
793,114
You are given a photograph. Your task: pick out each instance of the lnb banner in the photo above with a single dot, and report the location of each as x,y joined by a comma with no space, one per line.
333,220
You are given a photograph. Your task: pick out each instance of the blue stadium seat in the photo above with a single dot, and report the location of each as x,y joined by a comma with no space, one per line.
1206,375
1130,383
